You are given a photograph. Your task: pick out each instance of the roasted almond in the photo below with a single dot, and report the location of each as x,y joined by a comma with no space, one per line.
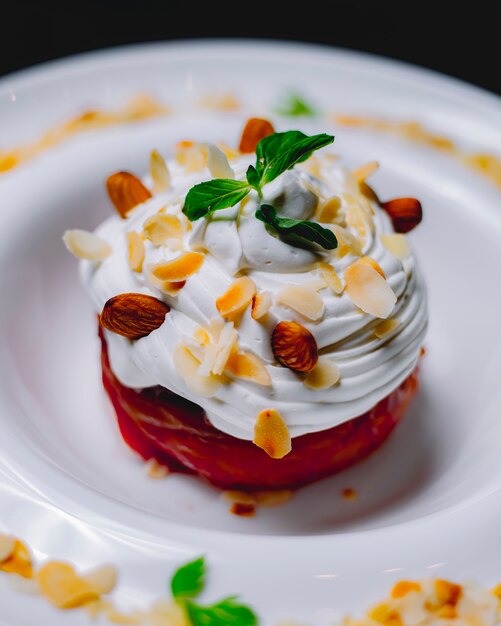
294,346
254,130
405,213
133,315
271,434
126,191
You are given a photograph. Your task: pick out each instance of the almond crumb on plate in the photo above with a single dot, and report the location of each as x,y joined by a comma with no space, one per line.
156,470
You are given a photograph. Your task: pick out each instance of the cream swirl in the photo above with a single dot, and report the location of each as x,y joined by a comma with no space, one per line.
235,241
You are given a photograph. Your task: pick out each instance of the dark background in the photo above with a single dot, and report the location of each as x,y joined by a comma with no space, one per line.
461,42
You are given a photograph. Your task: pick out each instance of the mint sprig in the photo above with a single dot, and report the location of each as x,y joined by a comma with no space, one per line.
299,233
274,155
189,581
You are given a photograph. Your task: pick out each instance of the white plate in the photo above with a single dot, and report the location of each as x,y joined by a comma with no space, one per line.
70,486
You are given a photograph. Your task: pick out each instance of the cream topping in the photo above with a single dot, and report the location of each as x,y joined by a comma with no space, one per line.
236,243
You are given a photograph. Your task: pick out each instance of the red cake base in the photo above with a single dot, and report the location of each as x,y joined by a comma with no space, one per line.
159,424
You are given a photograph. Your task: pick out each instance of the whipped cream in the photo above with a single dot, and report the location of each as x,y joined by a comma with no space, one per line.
235,241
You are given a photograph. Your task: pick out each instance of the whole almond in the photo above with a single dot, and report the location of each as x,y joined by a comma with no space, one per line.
405,213
126,191
255,129
133,315
294,346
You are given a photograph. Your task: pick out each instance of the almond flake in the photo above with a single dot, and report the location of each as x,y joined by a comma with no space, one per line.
192,156
386,327
369,291
218,163
86,245
367,260
187,366
19,561
135,251
171,288
7,545
249,367
271,434
237,297
325,375
362,173
261,304
304,300
160,227
356,219
347,243
159,172
331,277
397,245
328,211
102,579
63,587
218,351
179,268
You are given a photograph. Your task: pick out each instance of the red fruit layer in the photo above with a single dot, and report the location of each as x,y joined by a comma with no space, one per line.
159,424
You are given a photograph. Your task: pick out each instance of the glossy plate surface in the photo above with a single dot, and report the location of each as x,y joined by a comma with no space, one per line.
69,485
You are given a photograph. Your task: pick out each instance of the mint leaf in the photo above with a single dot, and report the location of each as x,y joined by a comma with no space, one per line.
253,178
295,106
227,612
188,581
213,195
298,233
281,151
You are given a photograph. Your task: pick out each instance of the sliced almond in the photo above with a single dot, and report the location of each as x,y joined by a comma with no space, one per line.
102,579
218,351
325,374
397,245
331,277
249,367
155,470
386,327
192,156
367,260
133,315
160,227
19,561
356,219
63,587
159,172
255,129
7,545
347,243
329,210
126,191
261,304
86,245
369,291
218,163
135,251
302,299
237,297
180,268
187,366
363,172
271,434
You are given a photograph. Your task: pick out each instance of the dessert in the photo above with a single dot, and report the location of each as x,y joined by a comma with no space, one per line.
261,313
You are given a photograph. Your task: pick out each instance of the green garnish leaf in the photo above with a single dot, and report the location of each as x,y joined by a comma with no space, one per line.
227,612
281,151
213,195
299,233
253,178
295,106
189,580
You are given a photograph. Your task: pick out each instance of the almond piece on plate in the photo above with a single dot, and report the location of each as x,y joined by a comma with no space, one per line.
331,277
397,245
135,251
187,366
302,299
368,290
261,304
237,297
405,213
249,367
271,434
19,561
324,375
159,172
363,172
180,268
254,130
63,587
133,315
126,191
294,346
367,260
86,245
160,227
